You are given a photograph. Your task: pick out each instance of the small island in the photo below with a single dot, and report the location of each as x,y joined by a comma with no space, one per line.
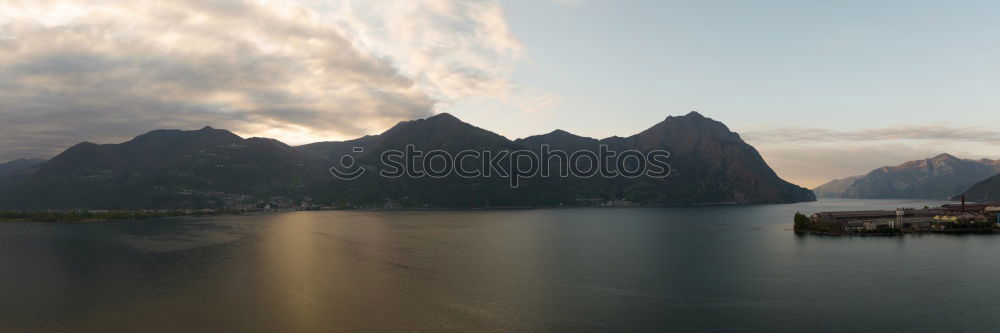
956,218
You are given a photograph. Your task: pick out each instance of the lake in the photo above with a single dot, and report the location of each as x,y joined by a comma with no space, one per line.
643,269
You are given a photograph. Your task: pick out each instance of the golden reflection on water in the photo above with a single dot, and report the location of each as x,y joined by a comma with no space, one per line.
328,270
289,263
369,270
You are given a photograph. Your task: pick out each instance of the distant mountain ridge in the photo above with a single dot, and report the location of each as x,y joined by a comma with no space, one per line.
836,187
11,168
940,177
985,191
212,168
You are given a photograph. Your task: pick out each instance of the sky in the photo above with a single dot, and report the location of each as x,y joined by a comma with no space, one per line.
823,89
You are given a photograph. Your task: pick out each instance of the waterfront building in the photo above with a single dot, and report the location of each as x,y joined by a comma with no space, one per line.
902,218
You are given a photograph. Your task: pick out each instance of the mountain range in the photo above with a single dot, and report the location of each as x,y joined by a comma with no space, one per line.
940,177
214,168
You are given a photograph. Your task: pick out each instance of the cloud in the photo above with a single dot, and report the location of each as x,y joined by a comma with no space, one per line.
926,132
811,165
454,49
813,156
105,70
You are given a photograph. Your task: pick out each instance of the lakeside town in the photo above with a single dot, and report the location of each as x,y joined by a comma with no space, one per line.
950,218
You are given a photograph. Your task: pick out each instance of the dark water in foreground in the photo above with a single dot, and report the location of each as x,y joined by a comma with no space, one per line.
707,268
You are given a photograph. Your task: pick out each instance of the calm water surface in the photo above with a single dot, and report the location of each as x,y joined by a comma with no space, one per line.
704,268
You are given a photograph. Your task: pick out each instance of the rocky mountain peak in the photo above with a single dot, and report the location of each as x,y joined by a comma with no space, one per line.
944,156
443,116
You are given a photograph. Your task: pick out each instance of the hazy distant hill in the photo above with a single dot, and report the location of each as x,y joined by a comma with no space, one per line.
10,171
987,190
835,188
15,166
939,177
211,168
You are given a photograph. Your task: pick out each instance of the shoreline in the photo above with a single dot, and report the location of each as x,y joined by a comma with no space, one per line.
980,231
99,216
91,216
